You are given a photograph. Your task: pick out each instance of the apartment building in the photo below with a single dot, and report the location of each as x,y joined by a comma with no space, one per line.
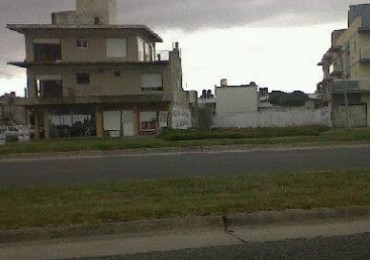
346,66
88,76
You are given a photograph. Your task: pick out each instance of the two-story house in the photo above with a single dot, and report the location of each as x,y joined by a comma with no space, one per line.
88,76
346,66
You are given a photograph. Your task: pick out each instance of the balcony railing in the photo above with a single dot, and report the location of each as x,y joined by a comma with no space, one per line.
351,86
162,55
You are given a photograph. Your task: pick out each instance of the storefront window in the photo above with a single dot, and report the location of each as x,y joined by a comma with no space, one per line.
148,121
65,123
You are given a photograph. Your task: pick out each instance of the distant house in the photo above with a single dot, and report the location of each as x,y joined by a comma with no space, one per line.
236,98
206,109
10,113
263,99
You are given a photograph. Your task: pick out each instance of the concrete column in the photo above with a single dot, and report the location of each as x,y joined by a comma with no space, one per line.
170,115
136,120
46,124
368,110
99,123
37,125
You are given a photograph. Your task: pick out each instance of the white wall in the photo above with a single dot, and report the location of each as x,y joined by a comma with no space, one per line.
104,9
275,117
181,118
236,100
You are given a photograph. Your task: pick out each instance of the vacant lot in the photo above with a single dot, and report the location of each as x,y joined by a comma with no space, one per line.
134,200
197,138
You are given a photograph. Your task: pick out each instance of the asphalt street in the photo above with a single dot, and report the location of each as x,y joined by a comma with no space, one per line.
73,170
336,248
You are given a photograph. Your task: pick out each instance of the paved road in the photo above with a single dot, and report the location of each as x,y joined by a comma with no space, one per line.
337,248
118,168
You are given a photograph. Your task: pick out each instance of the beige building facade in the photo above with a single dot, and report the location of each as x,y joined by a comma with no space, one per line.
90,77
346,84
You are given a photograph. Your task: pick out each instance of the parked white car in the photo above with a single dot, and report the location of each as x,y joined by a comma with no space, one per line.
11,132
29,128
2,136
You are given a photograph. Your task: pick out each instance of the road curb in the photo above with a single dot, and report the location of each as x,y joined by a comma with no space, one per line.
183,224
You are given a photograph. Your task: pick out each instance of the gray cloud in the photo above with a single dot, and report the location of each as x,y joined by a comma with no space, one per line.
194,14
170,14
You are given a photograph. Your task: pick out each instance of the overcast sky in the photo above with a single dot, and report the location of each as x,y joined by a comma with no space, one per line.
275,43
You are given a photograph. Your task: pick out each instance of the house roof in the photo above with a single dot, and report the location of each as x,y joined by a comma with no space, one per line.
25,64
24,28
237,86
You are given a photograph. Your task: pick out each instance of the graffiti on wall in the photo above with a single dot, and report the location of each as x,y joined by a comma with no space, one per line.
181,118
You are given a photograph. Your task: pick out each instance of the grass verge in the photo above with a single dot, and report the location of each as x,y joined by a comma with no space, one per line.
335,136
135,200
178,135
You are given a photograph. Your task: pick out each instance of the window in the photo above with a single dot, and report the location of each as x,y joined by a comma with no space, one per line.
112,120
72,122
81,43
117,73
83,78
116,47
147,51
96,20
152,82
49,86
148,121
47,52
140,46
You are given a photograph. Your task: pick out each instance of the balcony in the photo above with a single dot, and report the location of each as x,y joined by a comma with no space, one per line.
49,88
47,52
88,100
162,55
365,55
350,86
336,70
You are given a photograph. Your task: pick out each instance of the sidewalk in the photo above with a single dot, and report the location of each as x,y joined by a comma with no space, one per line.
126,244
261,228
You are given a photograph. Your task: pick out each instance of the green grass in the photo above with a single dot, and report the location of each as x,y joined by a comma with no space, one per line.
136,200
178,135
267,136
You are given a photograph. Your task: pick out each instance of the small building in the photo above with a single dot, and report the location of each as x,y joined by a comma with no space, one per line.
264,99
88,76
206,108
10,113
236,98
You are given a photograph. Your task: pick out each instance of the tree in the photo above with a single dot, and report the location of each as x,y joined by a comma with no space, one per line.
294,99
